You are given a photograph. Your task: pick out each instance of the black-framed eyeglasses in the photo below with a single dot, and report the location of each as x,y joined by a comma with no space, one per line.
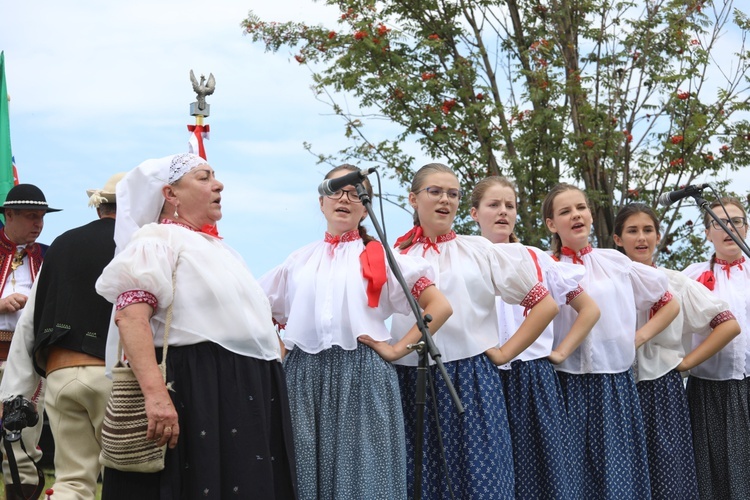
351,195
436,193
739,222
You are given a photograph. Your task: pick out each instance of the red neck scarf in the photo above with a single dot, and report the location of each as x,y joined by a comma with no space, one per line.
417,237
727,266
576,256
209,229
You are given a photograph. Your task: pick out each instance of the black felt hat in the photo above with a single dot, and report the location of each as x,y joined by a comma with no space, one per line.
26,197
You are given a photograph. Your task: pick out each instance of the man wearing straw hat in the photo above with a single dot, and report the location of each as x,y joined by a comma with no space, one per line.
62,336
20,259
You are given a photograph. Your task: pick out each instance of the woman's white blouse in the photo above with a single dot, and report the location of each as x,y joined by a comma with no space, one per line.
216,297
700,312
620,288
563,282
320,295
471,272
732,285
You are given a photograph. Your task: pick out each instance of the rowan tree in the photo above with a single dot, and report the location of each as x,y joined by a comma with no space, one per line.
627,99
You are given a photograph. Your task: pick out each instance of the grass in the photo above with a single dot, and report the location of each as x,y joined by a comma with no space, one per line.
49,480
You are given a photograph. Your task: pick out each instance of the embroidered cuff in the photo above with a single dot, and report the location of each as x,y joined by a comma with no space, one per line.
420,286
535,295
661,303
721,318
136,297
570,296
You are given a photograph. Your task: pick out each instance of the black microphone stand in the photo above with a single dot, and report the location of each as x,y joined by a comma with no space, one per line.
423,347
704,205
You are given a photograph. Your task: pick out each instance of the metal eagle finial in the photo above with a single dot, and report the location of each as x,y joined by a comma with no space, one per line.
203,89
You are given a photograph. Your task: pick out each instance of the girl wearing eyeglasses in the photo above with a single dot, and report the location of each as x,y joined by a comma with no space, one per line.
333,296
719,389
660,361
471,271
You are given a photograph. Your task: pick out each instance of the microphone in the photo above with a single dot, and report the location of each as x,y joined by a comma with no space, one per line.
667,199
330,186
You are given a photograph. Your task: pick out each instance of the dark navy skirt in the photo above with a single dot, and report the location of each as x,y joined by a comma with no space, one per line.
669,440
720,417
539,430
235,432
607,439
477,445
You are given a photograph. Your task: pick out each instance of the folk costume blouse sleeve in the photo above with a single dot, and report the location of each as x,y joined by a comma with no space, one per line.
730,282
563,282
320,294
700,312
216,297
471,272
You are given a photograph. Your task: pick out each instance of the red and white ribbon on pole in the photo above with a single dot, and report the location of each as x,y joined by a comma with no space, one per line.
195,143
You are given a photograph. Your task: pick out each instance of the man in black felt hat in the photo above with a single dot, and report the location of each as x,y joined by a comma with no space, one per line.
20,259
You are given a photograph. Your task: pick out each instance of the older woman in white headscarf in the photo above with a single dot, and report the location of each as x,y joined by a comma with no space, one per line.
227,419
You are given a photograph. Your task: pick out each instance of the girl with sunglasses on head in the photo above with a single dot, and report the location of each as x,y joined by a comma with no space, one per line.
659,361
333,296
718,390
607,440
471,272
536,407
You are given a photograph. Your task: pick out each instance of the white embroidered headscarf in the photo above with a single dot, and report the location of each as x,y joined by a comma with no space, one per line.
139,193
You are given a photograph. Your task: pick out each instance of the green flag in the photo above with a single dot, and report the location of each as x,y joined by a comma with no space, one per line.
7,177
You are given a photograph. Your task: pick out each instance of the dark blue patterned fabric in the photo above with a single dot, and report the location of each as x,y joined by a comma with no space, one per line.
720,417
669,440
539,430
348,425
607,442
477,444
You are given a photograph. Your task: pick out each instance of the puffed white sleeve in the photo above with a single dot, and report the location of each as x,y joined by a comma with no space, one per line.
562,279
650,286
144,265
517,277
274,285
702,310
418,274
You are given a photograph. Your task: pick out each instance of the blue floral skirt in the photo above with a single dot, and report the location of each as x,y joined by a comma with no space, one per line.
720,417
669,440
607,439
539,430
348,425
477,444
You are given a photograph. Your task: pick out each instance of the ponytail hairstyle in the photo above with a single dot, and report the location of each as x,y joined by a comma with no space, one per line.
726,200
494,180
548,211
417,183
366,238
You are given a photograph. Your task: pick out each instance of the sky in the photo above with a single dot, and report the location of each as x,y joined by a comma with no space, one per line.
98,87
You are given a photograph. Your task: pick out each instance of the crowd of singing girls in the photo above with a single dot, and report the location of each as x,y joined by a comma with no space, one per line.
569,363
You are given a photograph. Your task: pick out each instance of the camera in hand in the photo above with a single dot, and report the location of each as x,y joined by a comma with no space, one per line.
18,413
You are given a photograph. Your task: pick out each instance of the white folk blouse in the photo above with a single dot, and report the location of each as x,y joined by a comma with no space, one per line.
700,312
216,297
471,272
620,288
562,280
320,294
732,285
